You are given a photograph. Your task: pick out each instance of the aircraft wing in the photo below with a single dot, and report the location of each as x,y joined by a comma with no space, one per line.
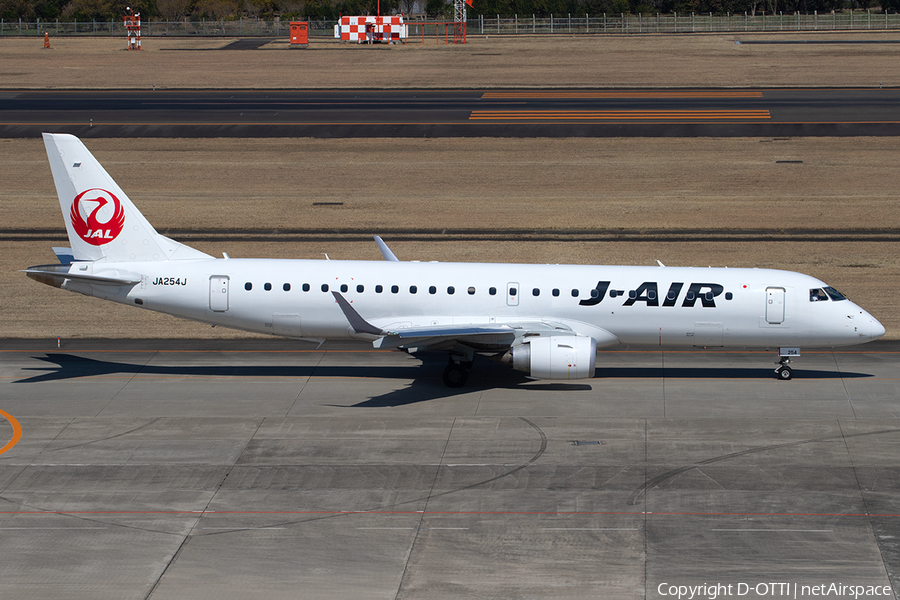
480,336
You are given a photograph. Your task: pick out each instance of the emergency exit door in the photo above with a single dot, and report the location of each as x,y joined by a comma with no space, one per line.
218,293
512,294
775,305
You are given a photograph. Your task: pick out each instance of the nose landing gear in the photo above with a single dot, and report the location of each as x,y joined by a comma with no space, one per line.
784,371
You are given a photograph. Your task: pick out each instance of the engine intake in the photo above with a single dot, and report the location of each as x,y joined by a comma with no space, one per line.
556,357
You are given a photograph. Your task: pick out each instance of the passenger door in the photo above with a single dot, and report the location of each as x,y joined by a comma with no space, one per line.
218,293
775,305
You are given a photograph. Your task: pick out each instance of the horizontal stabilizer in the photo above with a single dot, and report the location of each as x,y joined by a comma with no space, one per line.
55,275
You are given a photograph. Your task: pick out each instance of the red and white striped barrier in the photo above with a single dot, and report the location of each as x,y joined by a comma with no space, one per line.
371,29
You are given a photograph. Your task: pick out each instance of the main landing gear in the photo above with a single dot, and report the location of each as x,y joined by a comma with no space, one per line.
457,371
783,370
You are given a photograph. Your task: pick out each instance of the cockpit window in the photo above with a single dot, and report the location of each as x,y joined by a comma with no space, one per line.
817,295
835,295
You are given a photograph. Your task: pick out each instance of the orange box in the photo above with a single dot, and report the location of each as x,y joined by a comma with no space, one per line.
299,33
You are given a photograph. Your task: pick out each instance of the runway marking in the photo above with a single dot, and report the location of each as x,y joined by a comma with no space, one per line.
417,528
780,530
49,528
625,94
618,115
17,431
419,513
239,528
593,529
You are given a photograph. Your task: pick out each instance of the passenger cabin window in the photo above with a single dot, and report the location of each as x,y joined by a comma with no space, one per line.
817,295
305,287
286,287
471,291
536,292
574,293
413,289
379,289
492,291
343,287
555,292
451,290
324,287
248,286
360,289
268,287
432,290
595,293
513,291
395,289
631,293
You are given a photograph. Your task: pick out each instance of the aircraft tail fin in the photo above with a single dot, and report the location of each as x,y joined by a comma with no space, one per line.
102,222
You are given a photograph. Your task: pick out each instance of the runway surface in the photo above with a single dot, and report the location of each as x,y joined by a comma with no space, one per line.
504,113
271,469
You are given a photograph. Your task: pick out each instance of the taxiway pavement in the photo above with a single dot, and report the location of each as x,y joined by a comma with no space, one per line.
452,113
271,469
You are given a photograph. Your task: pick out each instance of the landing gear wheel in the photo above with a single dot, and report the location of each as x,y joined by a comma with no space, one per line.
455,375
784,373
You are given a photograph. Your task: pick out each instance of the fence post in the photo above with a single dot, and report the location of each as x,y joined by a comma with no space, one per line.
587,23
517,23
551,22
533,24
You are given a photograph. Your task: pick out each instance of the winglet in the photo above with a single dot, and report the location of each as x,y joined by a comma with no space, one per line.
385,251
358,324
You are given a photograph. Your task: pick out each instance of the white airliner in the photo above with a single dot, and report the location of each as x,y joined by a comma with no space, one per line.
546,320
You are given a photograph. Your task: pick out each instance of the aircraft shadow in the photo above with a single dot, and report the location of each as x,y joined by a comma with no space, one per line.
426,379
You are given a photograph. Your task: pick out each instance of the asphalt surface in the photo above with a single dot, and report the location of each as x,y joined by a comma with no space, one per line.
272,469
504,113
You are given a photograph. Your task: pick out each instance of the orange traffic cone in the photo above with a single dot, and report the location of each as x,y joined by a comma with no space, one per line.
46,39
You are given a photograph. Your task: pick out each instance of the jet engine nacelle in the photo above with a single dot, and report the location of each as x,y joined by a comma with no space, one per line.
556,357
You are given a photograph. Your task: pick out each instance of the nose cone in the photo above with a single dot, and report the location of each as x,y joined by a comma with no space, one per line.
876,329
867,327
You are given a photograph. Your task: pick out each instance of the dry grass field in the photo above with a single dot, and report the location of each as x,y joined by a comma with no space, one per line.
543,184
708,60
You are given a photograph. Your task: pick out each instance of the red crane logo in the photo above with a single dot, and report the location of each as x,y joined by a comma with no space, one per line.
91,226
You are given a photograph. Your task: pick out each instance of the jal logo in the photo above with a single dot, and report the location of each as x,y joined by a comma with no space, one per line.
97,216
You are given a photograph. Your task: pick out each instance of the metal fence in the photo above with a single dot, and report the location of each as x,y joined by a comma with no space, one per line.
483,25
675,23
